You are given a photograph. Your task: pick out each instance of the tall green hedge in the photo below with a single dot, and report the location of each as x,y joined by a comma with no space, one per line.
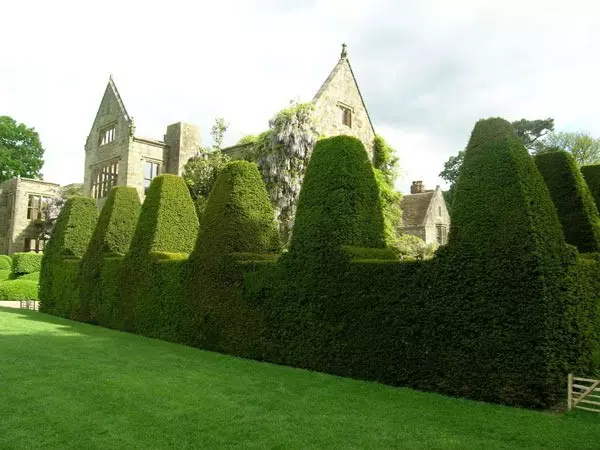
500,298
591,174
70,239
167,223
26,263
339,202
5,262
238,219
112,237
573,201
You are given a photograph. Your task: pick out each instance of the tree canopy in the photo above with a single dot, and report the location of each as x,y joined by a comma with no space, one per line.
584,148
21,151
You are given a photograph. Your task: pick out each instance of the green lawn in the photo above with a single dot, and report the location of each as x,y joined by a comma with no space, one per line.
69,385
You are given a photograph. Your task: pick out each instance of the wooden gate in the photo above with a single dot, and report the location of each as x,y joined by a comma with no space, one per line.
584,393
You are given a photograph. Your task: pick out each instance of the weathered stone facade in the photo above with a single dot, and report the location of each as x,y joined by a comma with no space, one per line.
114,155
424,214
340,95
22,208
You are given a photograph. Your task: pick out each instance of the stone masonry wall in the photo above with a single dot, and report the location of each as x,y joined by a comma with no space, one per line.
342,88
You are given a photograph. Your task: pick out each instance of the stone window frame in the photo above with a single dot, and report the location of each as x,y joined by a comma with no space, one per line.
37,206
38,247
347,113
155,170
107,134
442,234
105,175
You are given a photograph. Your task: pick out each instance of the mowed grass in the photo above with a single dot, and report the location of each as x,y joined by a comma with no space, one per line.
69,385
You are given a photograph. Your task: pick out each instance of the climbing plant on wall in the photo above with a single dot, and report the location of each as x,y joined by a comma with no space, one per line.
282,154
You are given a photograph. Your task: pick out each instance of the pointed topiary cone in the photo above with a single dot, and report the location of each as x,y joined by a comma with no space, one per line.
70,239
112,237
339,201
505,271
572,199
167,224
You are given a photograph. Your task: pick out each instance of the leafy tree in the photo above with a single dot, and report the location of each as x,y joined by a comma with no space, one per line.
201,171
21,151
248,139
385,165
584,148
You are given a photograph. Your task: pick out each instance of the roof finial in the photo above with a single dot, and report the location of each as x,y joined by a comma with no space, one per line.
344,51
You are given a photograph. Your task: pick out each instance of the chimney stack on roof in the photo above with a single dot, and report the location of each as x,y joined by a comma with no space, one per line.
417,187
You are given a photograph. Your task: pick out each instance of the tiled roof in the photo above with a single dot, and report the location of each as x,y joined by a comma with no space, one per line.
414,208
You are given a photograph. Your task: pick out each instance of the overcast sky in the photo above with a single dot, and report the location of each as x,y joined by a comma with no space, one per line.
427,69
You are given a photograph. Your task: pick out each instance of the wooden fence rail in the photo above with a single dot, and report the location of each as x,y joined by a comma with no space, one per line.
584,393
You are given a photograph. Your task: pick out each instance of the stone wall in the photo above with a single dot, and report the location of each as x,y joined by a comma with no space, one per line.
15,227
436,215
183,140
341,89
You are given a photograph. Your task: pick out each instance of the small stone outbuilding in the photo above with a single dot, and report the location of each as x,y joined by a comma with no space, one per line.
424,214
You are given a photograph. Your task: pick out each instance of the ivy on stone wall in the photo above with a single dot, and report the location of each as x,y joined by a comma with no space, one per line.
282,154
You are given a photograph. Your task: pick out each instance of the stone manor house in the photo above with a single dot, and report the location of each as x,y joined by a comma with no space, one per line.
115,155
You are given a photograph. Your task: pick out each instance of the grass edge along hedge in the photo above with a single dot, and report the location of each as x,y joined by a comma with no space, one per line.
572,199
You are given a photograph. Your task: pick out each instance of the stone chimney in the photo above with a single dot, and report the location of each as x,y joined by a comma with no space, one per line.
417,187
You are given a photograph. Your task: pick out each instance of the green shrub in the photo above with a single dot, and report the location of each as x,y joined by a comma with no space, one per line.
26,263
33,276
70,239
238,220
5,275
339,201
572,199
502,277
112,237
14,290
167,223
591,174
5,262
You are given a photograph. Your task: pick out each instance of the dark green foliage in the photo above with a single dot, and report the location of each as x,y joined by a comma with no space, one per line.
21,152
238,216
18,290
503,276
501,314
339,202
5,262
167,223
238,220
70,239
572,199
112,237
26,263
591,174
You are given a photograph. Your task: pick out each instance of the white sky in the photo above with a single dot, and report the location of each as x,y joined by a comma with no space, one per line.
428,69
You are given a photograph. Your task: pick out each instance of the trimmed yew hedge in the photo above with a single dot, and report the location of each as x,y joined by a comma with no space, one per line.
167,223
5,262
501,314
112,237
23,263
591,174
572,199
70,239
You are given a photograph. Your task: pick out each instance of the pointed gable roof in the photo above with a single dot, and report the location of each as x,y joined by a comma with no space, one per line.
414,208
111,88
343,61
